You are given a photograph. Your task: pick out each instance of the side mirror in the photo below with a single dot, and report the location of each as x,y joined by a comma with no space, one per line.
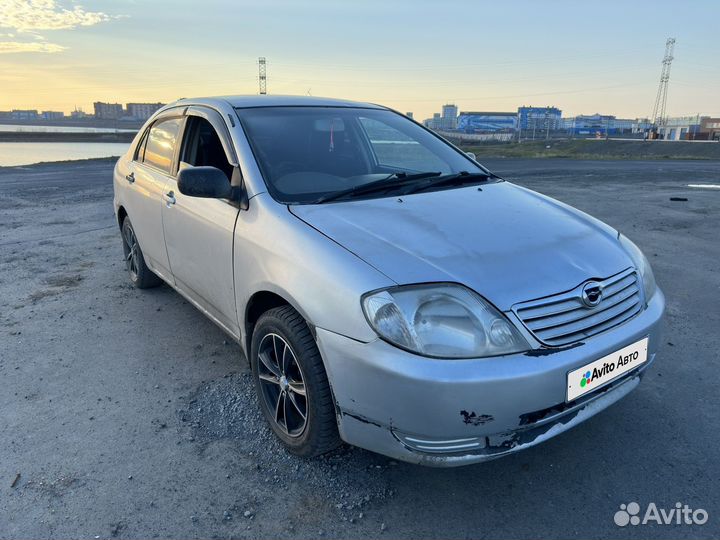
207,182
471,155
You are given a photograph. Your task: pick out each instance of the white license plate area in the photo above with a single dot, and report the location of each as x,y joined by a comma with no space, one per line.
603,370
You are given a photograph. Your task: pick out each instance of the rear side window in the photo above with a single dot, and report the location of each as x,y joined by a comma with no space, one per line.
161,143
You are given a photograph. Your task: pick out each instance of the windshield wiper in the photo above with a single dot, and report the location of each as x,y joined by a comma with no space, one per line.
396,179
463,177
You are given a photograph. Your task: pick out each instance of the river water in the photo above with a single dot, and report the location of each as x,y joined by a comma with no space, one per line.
26,153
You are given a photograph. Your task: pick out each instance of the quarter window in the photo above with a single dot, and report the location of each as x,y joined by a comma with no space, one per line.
160,147
140,149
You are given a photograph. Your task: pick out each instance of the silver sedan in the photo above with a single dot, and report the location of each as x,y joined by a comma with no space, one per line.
388,290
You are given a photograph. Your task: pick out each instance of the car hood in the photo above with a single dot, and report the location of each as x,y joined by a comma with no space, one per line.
506,242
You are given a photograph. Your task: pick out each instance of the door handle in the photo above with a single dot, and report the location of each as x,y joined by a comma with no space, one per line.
170,198
130,177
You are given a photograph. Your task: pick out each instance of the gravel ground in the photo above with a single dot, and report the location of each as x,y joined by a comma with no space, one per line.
127,414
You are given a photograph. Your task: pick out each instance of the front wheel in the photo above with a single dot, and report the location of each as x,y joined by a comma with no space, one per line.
291,383
140,275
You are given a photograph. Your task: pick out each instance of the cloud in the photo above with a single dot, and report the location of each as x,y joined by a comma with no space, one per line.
7,47
29,15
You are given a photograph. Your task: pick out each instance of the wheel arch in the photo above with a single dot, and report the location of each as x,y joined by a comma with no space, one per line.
262,301
121,215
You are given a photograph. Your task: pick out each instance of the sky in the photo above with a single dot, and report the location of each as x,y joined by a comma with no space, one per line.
581,56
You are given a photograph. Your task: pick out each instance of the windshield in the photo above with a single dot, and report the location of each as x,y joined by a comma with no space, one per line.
307,154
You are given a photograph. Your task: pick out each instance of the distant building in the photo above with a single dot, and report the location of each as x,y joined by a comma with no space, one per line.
433,123
448,120
590,124
52,115
487,122
409,114
641,125
710,129
539,118
623,125
108,111
78,113
24,114
680,128
142,111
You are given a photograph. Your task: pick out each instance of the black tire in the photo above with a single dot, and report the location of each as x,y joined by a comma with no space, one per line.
304,368
140,275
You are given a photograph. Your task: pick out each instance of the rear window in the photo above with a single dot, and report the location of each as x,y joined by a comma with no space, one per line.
161,144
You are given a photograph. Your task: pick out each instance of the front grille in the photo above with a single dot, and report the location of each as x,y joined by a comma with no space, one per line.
564,318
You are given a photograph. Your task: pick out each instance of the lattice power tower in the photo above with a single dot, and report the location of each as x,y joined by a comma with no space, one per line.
658,117
262,74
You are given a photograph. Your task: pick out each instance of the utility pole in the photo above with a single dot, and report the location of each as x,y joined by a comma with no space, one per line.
534,125
607,127
262,75
547,124
519,125
658,115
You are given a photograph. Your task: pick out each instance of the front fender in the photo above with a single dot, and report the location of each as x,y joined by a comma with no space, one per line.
275,251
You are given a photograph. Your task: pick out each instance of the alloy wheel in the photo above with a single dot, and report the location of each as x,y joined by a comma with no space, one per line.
282,384
131,250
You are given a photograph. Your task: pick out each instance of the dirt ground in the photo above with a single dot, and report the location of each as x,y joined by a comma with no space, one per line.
126,413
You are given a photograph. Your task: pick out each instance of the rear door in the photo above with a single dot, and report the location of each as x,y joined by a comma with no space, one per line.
150,172
198,231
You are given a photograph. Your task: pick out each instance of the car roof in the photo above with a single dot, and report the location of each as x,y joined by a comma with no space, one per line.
250,101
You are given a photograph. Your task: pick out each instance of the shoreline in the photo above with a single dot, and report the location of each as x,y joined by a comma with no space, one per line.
65,137
61,162
499,158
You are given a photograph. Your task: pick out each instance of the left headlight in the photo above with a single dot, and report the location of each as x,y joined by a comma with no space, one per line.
641,265
441,321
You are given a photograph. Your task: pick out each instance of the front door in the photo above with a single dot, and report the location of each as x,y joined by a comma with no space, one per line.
198,231
149,174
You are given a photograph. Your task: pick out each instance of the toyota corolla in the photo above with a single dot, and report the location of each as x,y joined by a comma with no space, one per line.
388,290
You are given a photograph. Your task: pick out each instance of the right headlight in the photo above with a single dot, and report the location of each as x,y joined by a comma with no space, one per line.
441,321
641,265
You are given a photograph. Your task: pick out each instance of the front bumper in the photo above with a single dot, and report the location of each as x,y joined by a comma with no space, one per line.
457,412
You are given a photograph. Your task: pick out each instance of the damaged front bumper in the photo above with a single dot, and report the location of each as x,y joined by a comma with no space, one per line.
456,412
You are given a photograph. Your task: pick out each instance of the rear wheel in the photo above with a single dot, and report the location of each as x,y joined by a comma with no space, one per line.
291,383
140,275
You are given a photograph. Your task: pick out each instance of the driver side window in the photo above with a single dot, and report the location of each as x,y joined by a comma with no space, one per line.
202,146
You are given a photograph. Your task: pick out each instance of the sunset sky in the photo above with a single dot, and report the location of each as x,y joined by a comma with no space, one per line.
583,57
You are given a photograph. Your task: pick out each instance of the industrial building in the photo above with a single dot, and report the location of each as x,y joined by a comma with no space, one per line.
52,115
142,111
108,111
709,129
539,118
597,124
680,128
24,114
487,122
